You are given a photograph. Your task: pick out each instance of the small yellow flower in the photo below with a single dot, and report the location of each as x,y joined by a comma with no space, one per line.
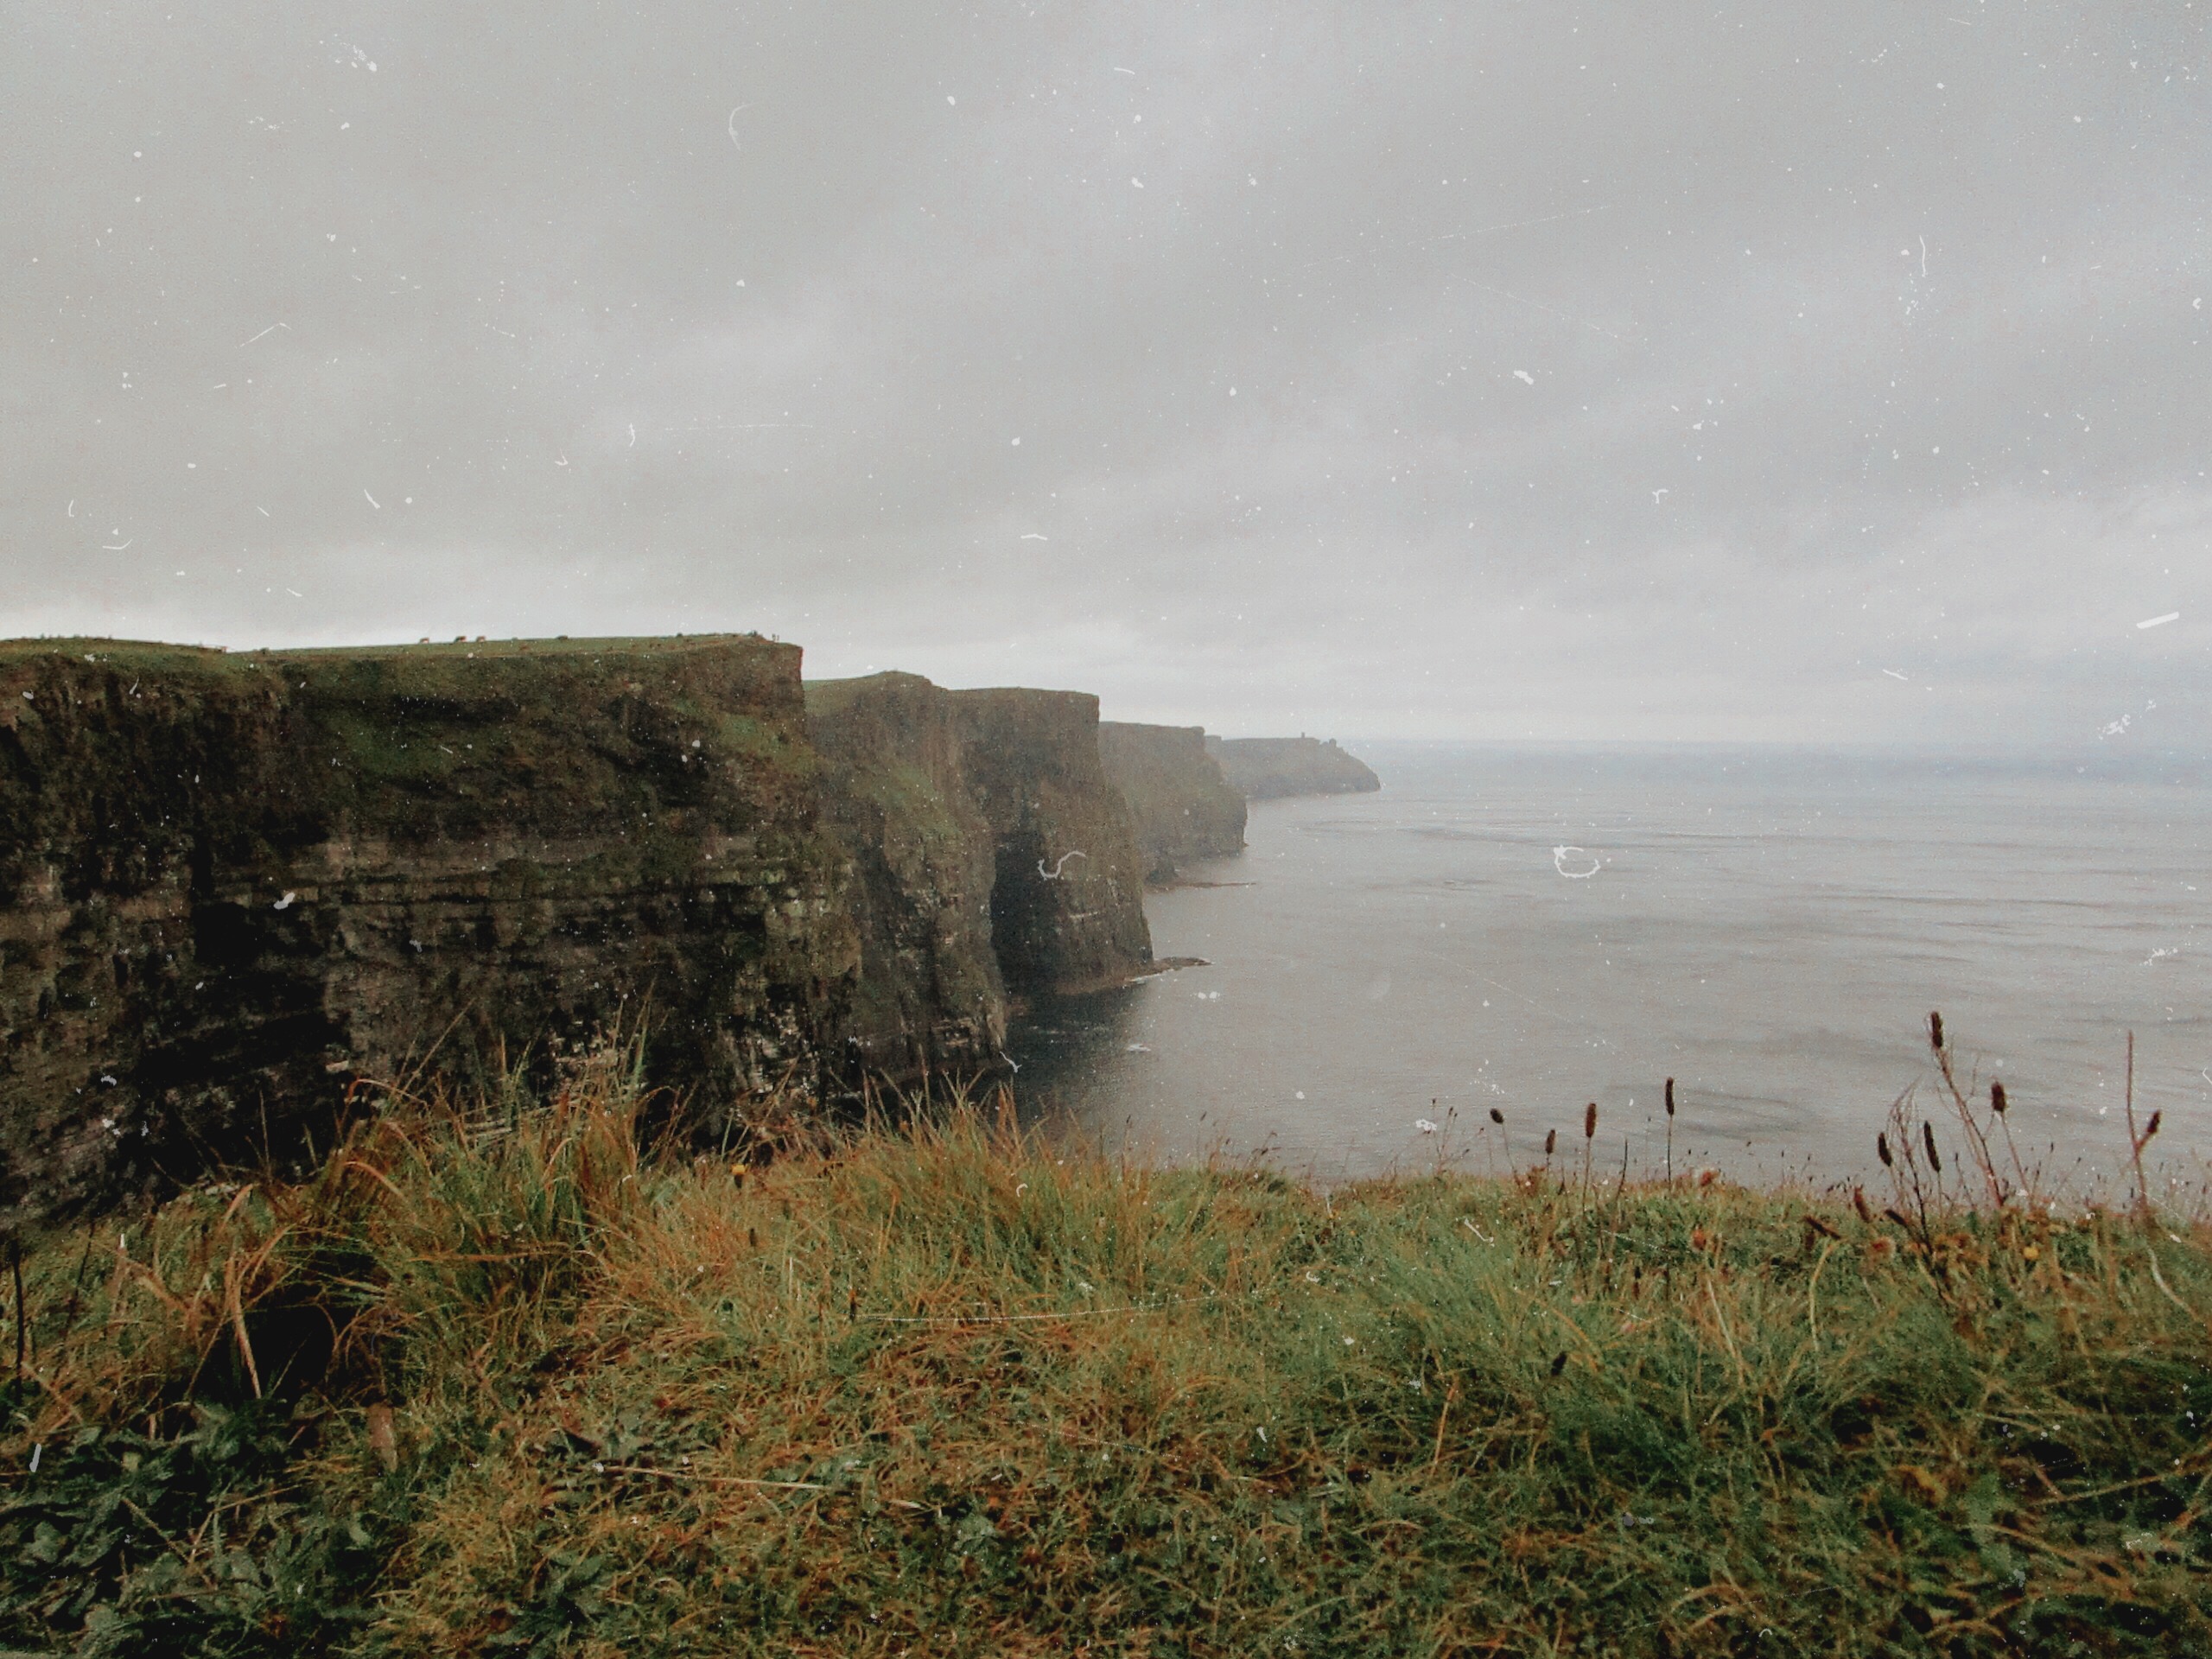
2033,1253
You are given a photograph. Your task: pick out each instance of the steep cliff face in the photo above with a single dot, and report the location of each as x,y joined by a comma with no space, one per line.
229,884
1183,807
1262,768
896,794
992,859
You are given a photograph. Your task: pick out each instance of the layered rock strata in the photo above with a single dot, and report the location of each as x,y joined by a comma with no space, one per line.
1264,768
1184,809
233,885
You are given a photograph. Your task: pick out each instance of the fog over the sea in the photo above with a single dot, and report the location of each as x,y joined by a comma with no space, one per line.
1797,370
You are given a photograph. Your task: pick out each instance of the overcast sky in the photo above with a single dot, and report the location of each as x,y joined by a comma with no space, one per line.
1806,371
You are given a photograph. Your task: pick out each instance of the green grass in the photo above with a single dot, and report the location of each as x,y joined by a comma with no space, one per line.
498,1383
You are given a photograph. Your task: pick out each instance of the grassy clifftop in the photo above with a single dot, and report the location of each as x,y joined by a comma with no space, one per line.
496,1382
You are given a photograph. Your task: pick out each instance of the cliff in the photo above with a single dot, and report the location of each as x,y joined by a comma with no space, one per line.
233,883
991,859
1183,807
230,885
1264,768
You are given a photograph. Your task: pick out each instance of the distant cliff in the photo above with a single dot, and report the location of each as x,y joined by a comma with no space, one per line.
993,861
231,884
1183,808
1265,768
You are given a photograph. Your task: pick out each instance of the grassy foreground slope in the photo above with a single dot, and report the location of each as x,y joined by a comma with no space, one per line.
496,1383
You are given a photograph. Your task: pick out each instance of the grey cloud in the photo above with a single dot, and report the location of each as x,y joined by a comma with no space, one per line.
1605,371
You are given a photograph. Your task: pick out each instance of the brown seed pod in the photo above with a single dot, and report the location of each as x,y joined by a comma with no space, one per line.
1497,1116
2152,1128
1859,1202
1928,1140
1551,1143
1670,1097
1590,1120
1997,1103
1882,1151
1935,1031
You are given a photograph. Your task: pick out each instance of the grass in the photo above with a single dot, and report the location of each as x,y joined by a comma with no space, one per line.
497,1382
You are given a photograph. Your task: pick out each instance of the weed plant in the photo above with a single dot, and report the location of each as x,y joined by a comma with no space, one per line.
496,1382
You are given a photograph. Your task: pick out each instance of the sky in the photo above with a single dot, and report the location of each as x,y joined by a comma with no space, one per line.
1782,371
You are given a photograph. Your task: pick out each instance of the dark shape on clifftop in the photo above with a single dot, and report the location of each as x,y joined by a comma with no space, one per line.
231,884
1264,768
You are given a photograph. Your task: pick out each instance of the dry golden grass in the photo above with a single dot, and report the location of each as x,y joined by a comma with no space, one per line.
515,1388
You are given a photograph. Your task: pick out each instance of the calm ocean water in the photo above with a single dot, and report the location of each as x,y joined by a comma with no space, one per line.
1770,928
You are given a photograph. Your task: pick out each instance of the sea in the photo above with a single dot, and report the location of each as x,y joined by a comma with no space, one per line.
1529,931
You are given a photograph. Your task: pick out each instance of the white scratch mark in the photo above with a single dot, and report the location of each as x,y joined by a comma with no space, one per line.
1120,71
1523,375
373,502
285,903
2160,621
634,434
1559,863
731,125
270,329
117,547
1054,874
73,507
1893,674
1032,535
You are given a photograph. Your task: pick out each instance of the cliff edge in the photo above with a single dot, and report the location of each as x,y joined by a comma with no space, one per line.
1264,768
